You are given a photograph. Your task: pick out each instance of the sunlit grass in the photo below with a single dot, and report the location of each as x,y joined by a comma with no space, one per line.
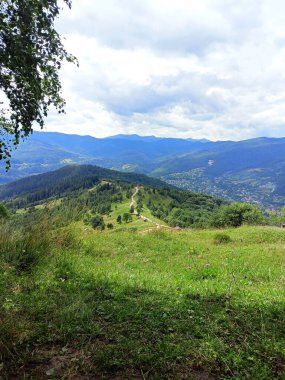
163,304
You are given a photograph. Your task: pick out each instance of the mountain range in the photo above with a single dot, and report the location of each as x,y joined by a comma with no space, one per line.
250,170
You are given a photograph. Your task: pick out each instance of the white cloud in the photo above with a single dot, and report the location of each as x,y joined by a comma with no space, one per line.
187,68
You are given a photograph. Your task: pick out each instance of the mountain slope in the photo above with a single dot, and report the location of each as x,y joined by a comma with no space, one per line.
75,193
231,156
71,178
251,170
45,151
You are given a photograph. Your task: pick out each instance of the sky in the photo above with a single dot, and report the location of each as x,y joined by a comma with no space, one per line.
210,69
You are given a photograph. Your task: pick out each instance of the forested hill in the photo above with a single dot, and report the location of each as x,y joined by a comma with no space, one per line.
95,195
89,193
71,178
247,171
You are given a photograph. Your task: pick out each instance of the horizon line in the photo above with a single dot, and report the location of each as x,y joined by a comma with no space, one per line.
156,137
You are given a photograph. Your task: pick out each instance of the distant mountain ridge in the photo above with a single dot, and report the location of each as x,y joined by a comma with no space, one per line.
45,151
251,170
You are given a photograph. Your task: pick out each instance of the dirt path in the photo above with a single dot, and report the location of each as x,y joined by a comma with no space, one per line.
133,197
145,218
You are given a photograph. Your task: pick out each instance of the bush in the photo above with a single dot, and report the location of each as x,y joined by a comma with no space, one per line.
127,217
97,222
236,214
222,239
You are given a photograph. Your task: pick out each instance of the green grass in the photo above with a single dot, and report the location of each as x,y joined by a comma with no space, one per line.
137,223
157,305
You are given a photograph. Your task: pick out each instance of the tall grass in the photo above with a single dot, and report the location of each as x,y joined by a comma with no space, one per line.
157,305
24,248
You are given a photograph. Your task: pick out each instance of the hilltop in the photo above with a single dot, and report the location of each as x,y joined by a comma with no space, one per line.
81,192
71,178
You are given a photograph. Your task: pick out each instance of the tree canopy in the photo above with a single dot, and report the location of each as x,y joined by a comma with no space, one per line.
236,214
31,54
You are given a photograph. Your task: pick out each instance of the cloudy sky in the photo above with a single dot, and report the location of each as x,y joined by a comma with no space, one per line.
183,68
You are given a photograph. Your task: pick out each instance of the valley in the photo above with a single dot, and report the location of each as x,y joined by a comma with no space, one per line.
252,186
247,171
155,250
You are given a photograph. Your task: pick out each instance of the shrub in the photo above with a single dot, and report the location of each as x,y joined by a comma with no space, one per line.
236,214
127,217
222,239
97,222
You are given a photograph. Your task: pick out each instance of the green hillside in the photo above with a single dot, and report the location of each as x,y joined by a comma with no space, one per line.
89,193
70,178
112,275
79,193
153,304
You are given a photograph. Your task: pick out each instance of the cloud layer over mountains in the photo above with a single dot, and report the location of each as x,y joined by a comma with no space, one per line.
183,68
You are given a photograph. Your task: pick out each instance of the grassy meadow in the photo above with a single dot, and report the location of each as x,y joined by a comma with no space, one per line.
142,304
